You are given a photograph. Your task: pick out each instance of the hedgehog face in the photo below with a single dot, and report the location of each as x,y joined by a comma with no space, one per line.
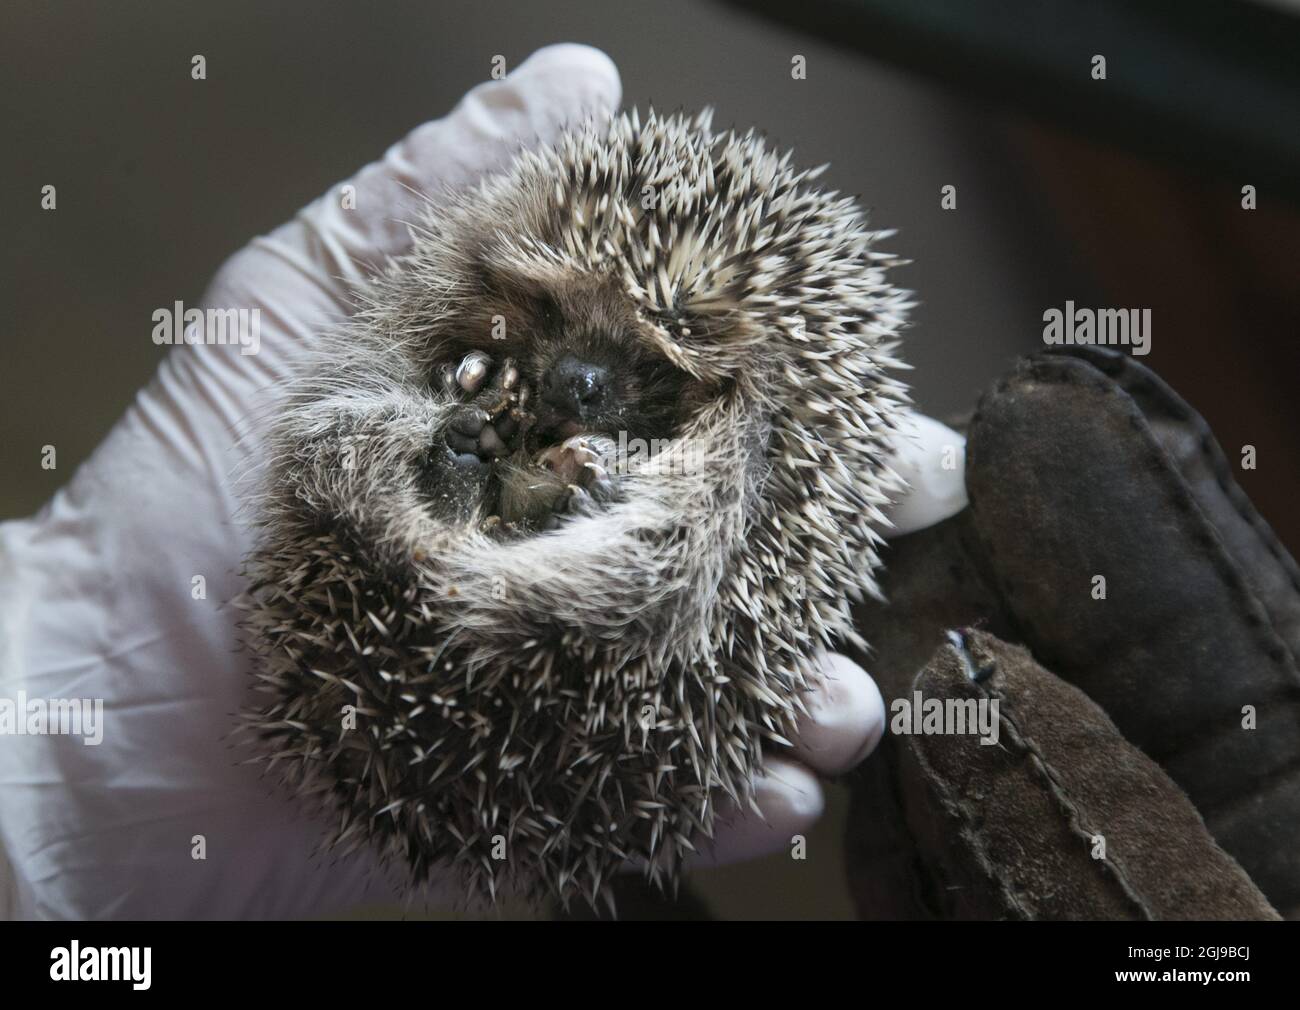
558,666
576,344
553,372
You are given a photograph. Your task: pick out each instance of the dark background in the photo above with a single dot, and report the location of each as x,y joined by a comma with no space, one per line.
161,177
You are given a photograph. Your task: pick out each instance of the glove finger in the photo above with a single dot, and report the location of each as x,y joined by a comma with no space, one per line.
845,719
931,458
348,229
791,801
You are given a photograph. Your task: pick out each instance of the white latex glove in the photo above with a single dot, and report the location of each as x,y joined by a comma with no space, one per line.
96,601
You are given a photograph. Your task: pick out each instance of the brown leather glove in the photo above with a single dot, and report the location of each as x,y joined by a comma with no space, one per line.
1148,755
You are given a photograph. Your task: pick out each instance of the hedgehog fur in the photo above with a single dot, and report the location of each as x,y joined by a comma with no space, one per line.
535,705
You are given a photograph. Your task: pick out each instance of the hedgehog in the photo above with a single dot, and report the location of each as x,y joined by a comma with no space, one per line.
555,526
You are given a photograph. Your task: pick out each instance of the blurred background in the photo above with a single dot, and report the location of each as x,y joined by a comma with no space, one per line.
1124,192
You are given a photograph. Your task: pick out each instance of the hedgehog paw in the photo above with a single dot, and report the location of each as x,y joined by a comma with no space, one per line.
470,433
494,416
589,483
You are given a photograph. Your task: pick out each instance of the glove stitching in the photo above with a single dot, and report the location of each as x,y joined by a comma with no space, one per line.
1210,452
1075,813
960,812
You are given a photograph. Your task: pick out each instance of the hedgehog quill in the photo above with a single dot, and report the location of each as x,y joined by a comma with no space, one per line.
561,658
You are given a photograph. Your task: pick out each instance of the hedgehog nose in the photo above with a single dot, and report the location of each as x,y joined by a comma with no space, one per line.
575,387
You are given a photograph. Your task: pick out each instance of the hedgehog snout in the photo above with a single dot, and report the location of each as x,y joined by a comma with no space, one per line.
575,388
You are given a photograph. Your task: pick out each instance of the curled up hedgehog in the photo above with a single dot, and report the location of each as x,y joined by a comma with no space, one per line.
556,525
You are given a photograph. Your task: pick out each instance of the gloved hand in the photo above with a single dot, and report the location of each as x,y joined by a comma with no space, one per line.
99,592
1148,760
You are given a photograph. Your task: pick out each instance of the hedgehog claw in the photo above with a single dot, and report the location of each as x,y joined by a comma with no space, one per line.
580,502
575,501
447,379
472,371
507,376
